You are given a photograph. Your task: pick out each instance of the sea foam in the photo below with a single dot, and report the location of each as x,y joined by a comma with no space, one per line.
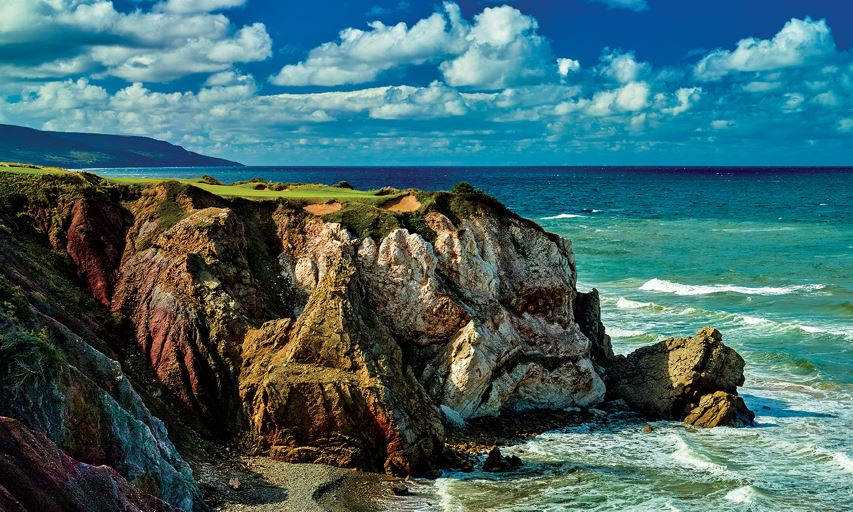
563,216
664,286
624,333
687,457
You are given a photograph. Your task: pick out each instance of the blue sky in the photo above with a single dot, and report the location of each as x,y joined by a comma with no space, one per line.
471,82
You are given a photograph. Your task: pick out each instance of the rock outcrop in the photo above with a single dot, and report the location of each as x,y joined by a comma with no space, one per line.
691,379
720,409
36,475
351,338
496,462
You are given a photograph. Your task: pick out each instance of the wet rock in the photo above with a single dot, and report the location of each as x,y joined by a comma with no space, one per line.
496,462
720,409
587,312
669,379
648,429
399,489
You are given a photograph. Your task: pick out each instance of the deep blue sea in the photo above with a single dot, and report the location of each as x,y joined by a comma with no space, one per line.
763,254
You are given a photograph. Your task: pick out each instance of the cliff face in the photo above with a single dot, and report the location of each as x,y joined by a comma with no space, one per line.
353,338
347,342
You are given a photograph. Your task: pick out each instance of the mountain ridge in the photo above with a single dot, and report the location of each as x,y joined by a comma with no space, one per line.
78,150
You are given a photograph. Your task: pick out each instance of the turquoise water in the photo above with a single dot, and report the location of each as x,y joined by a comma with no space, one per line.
764,255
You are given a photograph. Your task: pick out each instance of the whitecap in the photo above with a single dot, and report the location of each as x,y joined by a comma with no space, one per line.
810,329
664,286
843,460
755,320
624,333
624,303
563,216
744,495
686,456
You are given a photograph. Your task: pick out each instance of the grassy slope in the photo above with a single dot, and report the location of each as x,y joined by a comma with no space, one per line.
307,193
362,211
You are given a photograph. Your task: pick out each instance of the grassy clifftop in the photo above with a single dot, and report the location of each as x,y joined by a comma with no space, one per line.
365,213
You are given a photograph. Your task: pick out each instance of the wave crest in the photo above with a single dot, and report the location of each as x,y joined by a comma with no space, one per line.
562,216
664,286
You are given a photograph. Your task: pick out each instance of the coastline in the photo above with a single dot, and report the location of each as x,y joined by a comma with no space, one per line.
265,484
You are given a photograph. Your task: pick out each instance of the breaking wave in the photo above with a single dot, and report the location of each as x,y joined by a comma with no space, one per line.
664,286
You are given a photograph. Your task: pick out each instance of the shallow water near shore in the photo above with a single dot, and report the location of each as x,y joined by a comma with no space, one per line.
764,255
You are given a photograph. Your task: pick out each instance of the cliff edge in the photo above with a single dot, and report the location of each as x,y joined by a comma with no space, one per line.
322,325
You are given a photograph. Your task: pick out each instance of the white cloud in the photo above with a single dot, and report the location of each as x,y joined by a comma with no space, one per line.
623,67
634,5
195,6
722,124
796,44
431,102
685,98
500,48
503,50
76,37
566,66
633,96
361,55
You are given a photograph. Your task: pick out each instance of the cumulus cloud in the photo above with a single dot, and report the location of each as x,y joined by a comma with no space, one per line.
498,95
74,37
799,42
503,49
634,5
500,48
430,102
195,6
623,67
566,66
361,55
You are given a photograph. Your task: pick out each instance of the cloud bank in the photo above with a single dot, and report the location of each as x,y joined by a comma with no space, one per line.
499,93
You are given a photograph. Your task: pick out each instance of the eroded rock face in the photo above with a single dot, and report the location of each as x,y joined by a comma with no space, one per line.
674,377
332,346
487,312
337,392
36,475
478,321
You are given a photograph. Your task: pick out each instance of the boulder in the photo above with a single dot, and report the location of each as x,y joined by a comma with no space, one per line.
496,462
720,409
669,379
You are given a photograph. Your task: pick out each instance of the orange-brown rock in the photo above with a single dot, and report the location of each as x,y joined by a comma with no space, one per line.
672,378
720,409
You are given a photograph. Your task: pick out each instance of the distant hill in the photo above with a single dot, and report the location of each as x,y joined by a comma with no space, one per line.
81,150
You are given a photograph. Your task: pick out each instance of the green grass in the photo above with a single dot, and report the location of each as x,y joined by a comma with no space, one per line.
29,169
362,210
308,193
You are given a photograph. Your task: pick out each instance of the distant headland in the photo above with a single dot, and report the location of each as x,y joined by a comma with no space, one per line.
94,150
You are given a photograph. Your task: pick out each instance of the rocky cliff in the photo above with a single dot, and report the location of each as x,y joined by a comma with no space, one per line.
353,336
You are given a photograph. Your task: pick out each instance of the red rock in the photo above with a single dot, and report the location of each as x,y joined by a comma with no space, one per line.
35,475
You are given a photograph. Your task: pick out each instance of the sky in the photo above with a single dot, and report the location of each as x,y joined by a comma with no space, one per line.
470,82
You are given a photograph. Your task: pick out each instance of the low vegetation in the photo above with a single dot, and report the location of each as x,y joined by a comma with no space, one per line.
366,213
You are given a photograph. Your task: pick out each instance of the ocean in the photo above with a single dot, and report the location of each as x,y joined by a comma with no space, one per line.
765,255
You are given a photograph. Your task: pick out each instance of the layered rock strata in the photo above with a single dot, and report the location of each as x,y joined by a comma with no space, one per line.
354,337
